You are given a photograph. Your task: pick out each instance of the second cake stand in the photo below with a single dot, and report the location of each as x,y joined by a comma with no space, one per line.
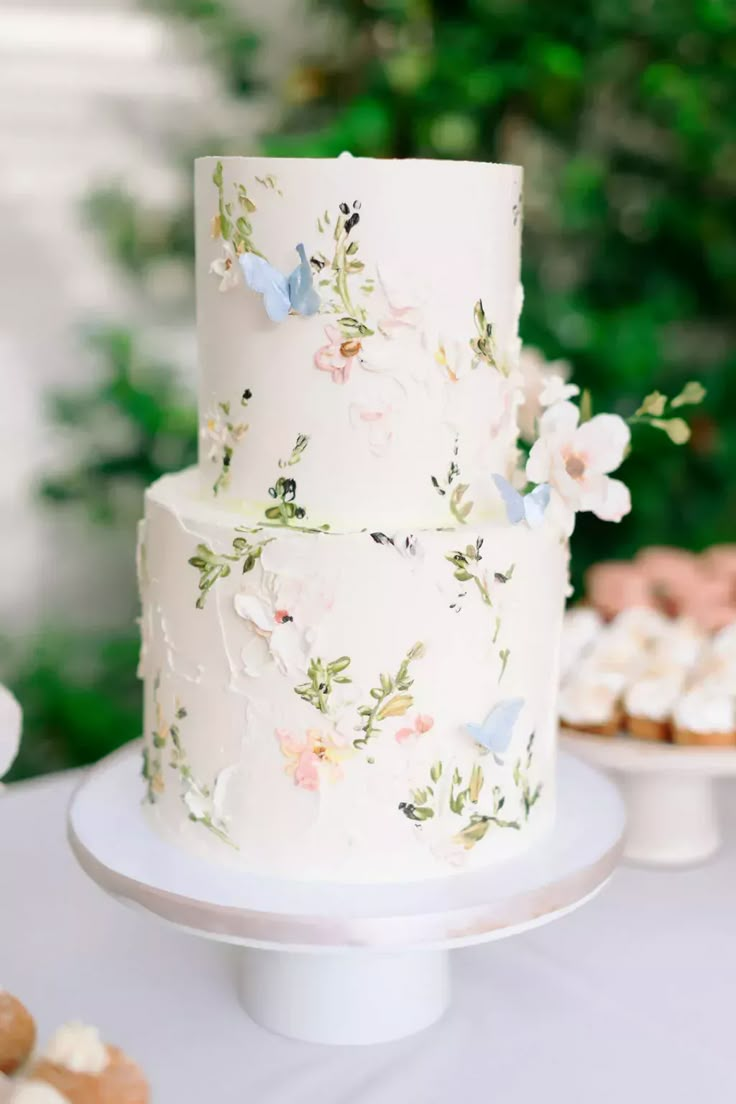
344,963
669,791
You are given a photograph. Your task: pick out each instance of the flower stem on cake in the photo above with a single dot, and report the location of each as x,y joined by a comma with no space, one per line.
322,677
422,804
390,698
471,792
284,489
483,344
477,827
213,566
529,796
459,509
232,223
223,436
337,275
466,571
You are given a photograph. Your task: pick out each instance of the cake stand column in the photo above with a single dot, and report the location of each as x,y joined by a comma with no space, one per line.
353,996
671,818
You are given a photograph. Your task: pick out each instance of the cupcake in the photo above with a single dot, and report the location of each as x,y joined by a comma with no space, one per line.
705,715
81,1069
623,647
17,1033
648,704
589,701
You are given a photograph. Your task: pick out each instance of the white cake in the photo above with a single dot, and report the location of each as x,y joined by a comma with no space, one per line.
350,653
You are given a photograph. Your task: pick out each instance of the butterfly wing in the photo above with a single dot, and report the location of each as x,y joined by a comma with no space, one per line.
513,501
303,297
496,731
262,277
535,505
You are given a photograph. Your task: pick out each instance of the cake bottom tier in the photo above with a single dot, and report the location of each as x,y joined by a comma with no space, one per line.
348,707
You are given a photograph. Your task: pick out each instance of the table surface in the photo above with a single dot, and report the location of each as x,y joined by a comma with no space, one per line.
631,999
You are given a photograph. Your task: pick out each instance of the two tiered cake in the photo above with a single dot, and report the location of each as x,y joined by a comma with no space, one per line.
351,620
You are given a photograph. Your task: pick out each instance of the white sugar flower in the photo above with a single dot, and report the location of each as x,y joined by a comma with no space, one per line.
226,267
576,459
556,390
539,379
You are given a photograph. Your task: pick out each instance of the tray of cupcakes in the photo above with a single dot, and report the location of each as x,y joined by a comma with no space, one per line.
651,653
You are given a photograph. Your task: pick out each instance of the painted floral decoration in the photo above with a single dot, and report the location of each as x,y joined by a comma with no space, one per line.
313,758
281,618
576,461
422,723
226,267
222,434
338,355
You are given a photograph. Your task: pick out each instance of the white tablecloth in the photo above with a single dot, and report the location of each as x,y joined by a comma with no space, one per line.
632,999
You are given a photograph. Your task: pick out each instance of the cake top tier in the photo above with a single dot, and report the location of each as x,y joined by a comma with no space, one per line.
357,325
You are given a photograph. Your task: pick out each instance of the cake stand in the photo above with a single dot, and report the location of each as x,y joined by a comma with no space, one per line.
669,791
344,963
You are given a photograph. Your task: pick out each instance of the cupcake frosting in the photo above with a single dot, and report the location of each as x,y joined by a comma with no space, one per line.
653,698
702,710
591,697
78,1048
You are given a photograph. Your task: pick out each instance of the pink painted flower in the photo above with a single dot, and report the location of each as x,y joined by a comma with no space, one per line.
397,319
338,356
376,419
304,757
422,724
576,459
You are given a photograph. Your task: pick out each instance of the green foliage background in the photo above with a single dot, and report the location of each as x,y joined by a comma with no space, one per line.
621,112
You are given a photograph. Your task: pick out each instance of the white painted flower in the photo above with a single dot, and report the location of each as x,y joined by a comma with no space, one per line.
282,620
198,804
220,433
537,375
10,727
576,460
226,267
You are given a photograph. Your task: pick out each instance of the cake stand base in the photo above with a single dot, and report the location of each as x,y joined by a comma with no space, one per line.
335,963
669,791
344,997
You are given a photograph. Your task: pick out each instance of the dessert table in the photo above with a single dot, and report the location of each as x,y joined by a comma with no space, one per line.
629,998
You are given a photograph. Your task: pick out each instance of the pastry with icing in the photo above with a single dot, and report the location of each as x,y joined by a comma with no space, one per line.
17,1033
77,1067
705,716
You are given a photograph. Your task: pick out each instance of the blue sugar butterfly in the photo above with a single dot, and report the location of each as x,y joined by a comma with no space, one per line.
530,507
496,731
281,294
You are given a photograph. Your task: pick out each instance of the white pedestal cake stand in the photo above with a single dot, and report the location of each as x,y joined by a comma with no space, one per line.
669,791
334,963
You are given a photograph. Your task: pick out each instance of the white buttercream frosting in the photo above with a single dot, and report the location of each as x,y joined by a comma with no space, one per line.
590,696
653,697
702,710
269,776
78,1047
384,407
